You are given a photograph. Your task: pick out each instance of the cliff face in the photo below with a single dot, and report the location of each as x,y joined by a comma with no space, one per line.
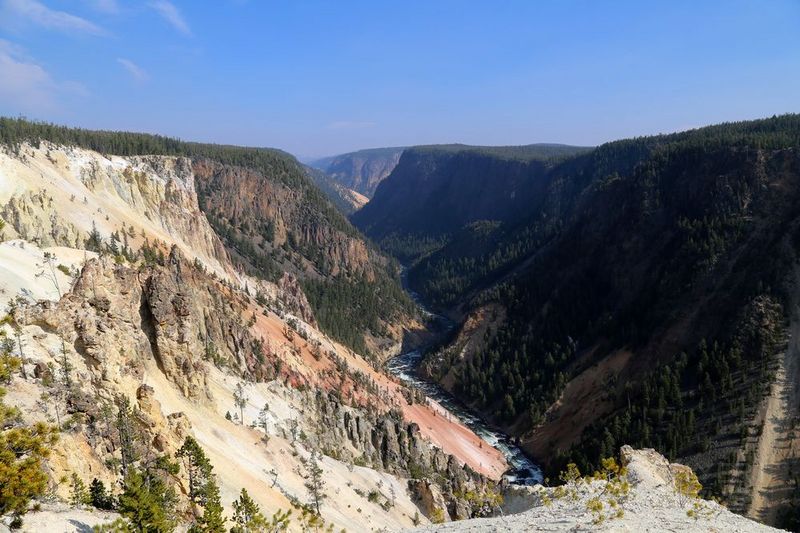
271,228
361,171
177,341
268,214
172,315
55,196
437,193
120,293
346,200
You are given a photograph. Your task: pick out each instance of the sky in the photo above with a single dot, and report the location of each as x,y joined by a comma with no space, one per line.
318,78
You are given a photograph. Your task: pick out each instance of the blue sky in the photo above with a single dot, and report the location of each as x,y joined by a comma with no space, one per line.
317,78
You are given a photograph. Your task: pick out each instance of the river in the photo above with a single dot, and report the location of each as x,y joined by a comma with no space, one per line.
522,470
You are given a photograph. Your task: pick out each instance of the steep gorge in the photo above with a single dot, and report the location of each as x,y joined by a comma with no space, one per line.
627,299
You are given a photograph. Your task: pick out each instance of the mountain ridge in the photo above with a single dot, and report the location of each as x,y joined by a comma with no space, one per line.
290,225
640,259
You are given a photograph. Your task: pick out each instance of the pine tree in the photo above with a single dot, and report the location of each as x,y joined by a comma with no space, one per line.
314,482
22,452
246,514
127,433
198,468
145,503
94,242
8,363
78,494
203,488
213,519
99,496
240,399
263,421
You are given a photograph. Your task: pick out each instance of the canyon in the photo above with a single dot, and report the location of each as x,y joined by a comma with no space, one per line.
160,292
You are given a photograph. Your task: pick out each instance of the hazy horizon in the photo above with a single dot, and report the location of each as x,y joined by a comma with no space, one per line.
318,79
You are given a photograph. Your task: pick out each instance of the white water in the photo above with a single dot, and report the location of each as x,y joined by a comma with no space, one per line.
522,470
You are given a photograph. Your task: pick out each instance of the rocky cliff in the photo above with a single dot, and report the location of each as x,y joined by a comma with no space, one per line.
56,196
257,207
346,200
654,495
436,190
135,330
272,217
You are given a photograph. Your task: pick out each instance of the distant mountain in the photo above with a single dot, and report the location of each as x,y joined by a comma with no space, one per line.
361,171
346,200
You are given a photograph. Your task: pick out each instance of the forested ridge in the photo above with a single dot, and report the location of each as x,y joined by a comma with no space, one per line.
448,267
281,197
436,190
670,253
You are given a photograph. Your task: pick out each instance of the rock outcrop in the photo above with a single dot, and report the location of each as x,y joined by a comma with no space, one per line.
117,317
61,194
386,442
247,206
655,502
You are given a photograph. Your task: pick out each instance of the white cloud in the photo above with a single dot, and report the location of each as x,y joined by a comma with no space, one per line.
27,86
39,14
137,72
105,6
349,125
170,13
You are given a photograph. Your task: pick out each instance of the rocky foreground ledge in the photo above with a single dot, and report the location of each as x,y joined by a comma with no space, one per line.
651,495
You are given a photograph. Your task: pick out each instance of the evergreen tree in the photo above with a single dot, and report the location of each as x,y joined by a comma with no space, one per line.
263,421
78,494
198,468
213,519
240,399
247,516
315,482
146,503
99,496
94,242
22,452
203,488
126,431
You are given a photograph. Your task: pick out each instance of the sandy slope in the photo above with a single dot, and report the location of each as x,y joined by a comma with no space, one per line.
62,518
241,459
434,421
778,453
23,271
